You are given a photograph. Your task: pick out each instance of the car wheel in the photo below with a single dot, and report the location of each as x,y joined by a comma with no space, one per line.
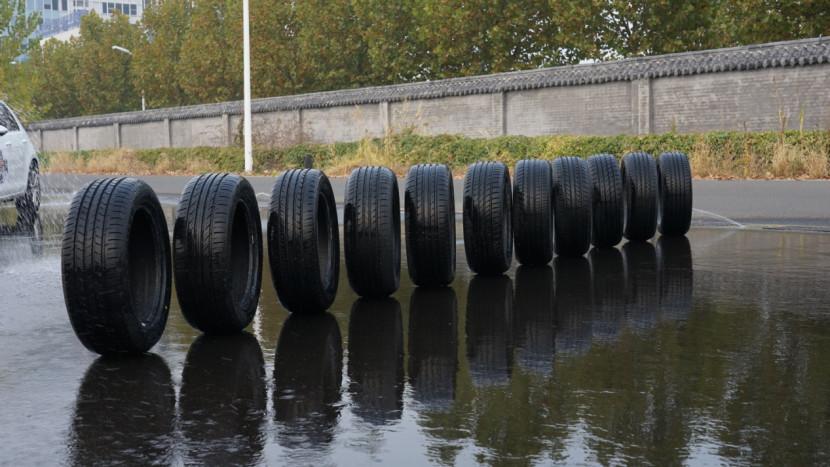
607,212
639,173
429,204
29,204
571,206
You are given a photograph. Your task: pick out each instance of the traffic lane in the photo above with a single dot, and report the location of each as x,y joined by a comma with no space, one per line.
745,202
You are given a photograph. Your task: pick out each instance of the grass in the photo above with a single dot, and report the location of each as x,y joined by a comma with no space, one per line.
765,155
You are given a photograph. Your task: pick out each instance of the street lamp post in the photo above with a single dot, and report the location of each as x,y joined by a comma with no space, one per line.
246,76
118,48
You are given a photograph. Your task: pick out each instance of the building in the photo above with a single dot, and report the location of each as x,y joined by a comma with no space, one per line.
62,18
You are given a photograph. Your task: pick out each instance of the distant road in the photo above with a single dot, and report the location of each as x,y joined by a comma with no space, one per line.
749,202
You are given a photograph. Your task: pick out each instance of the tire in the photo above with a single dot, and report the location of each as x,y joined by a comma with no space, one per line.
429,202
639,173
114,394
116,266
376,372
303,243
533,212
488,232
28,205
674,190
433,346
217,245
571,206
372,231
607,201
223,401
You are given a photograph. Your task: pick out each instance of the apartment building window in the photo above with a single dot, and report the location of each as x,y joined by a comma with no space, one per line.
125,8
81,3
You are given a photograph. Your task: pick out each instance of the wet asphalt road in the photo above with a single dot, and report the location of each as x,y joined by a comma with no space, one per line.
704,350
799,203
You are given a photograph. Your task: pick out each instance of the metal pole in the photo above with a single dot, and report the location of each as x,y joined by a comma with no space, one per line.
246,59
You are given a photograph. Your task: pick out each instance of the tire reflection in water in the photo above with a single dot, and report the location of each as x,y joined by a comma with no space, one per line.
573,305
608,288
376,359
308,372
125,411
642,300
674,256
223,401
489,330
433,346
534,319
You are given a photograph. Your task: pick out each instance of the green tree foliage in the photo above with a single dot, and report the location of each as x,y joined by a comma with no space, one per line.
156,60
188,52
210,69
15,28
103,83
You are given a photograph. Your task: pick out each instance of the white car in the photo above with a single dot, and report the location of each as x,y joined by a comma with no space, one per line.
19,166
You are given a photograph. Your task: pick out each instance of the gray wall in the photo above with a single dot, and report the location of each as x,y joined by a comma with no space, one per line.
754,88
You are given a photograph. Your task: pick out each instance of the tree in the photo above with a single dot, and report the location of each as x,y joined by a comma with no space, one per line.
56,65
15,29
102,81
210,69
754,21
165,26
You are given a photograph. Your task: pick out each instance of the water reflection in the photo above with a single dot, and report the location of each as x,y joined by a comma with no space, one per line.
223,401
573,305
534,319
124,411
376,360
433,346
308,372
489,330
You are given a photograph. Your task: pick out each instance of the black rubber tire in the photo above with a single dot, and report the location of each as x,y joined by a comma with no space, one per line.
429,202
488,230
676,277
533,212
217,248
607,201
372,231
674,193
639,173
113,396
28,205
489,330
433,346
571,206
116,266
223,401
303,241
376,371
308,373
535,323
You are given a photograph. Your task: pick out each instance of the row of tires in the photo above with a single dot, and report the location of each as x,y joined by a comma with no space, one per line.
117,265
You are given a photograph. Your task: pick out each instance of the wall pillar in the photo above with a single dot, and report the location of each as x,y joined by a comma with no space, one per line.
300,129
168,136
385,118
645,106
76,143
500,113
40,140
226,125
116,130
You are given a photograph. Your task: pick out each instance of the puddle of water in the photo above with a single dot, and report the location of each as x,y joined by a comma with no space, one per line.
709,351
